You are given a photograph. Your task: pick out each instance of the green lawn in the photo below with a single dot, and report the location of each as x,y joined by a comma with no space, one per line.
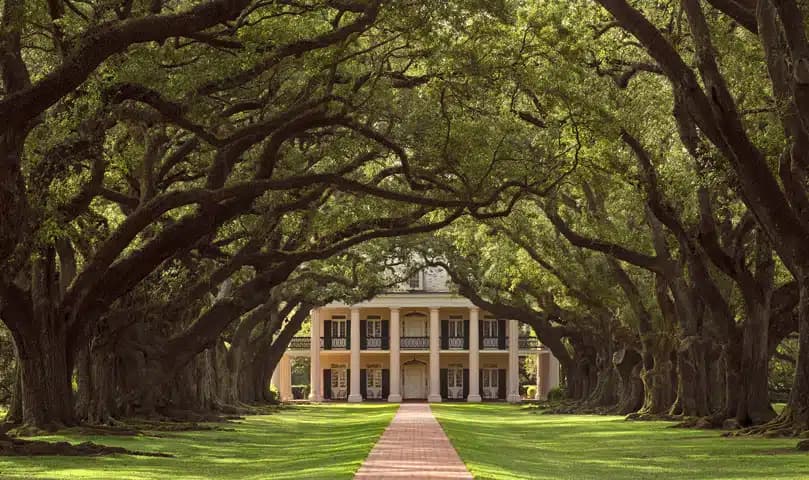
319,441
506,442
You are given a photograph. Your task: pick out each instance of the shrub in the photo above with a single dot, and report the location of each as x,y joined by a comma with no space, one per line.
556,394
531,392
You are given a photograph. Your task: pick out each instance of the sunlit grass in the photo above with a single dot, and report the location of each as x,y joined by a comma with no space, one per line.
312,442
498,441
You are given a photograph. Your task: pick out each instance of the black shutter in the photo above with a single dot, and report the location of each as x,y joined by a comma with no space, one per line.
327,334
327,383
348,334
480,334
363,334
444,334
480,382
501,334
385,334
364,383
444,384
385,384
466,334
466,383
501,383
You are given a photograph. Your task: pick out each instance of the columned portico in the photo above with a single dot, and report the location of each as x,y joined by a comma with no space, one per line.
474,356
433,346
315,394
395,358
354,395
435,366
513,362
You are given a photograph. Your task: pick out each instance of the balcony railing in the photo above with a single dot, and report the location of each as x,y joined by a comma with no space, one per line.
300,343
528,343
374,343
455,342
414,343
491,343
338,342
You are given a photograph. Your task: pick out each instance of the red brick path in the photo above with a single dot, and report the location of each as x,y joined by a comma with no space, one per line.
413,446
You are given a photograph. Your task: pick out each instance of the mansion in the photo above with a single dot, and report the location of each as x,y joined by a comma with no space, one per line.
418,342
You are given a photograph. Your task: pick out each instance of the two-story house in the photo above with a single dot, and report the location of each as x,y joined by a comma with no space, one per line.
420,341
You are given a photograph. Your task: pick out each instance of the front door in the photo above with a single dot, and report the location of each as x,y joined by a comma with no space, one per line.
415,384
491,383
339,383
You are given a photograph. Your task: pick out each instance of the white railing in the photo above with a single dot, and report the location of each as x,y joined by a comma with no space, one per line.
338,342
374,342
455,342
490,342
414,343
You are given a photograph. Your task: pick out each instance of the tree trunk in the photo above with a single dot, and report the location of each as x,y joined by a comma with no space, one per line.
47,396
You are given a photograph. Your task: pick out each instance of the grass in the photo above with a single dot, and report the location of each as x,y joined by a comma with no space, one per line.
506,442
317,441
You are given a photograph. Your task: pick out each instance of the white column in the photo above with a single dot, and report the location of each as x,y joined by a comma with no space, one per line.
316,394
435,369
285,374
553,372
354,395
474,355
276,374
513,384
395,361
538,395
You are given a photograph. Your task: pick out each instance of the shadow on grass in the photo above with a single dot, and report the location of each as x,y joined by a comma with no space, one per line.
308,441
506,442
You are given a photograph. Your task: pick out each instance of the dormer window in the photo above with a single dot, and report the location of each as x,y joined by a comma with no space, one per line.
414,282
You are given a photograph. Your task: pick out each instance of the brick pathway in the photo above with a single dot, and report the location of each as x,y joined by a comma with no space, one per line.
413,446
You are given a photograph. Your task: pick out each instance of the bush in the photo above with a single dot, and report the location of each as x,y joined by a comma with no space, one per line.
556,394
531,392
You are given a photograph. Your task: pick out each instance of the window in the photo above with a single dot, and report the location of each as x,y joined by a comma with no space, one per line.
373,327
489,328
455,377
455,327
338,327
414,282
338,376
374,377
490,378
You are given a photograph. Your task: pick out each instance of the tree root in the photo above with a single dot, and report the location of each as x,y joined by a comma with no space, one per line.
19,447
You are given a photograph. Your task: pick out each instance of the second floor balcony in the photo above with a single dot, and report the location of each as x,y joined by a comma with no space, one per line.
414,343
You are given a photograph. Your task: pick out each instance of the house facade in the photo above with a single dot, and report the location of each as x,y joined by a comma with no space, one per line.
418,342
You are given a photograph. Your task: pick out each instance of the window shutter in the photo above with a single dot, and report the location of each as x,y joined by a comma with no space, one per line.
466,334
363,334
501,383
501,334
466,383
480,380
385,384
385,334
348,334
327,334
444,384
480,334
444,334
327,383
364,383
